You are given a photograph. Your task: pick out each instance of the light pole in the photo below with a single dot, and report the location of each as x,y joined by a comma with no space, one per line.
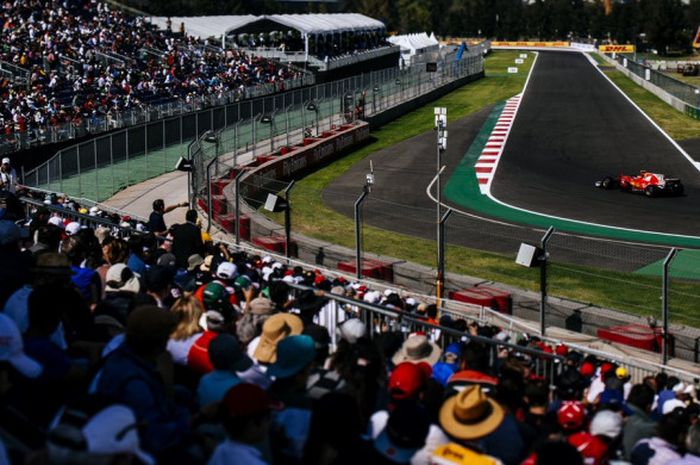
237,182
664,305
270,119
312,106
441,128
366,189
211,137
441,256
543,277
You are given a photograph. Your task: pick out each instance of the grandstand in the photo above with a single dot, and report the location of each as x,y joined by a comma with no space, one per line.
327,43
88,67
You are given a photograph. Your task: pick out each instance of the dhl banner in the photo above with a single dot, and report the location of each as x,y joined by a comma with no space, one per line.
627,48
530,44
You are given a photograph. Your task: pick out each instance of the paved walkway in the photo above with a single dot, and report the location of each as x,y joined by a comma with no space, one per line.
138,199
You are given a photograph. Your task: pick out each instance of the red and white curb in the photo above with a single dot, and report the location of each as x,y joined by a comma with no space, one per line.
485,166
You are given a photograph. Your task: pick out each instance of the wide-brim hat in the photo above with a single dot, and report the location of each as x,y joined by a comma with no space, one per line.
470,414
417,348
294,353
276,328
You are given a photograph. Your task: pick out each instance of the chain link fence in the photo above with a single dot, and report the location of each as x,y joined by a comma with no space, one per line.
99,168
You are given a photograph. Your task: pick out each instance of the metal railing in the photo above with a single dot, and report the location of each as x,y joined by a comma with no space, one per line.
683,91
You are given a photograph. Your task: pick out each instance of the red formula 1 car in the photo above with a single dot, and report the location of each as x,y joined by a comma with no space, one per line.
651,184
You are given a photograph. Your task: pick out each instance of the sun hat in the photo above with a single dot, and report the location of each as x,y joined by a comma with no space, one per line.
72,228
571,415
244,400
606,423
351,330
294,353
260,306
417,348
114,430
404,434
407,379
226,270
470,414
225,354
193,261
120,278
275,329
12,349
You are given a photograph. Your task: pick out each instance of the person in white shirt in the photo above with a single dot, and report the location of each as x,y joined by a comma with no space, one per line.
8,176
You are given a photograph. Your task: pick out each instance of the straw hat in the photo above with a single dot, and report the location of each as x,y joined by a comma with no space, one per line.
276,328
417,348
470,414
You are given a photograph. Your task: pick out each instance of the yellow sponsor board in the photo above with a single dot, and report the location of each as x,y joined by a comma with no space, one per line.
627,48
529,44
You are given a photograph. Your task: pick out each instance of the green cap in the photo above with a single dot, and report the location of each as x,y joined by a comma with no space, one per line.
214,292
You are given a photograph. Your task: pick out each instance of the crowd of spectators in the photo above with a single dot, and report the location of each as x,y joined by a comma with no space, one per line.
87,61
172,349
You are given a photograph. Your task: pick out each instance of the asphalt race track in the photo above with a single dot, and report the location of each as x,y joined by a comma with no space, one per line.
574,127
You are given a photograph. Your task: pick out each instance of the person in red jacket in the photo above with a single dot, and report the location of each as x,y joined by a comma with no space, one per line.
572,419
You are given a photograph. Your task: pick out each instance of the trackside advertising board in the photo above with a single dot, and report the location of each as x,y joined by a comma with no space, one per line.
529,44
627,48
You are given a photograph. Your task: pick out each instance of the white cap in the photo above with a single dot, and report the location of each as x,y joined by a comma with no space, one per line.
120,278
351,330
671,405
267,259
679,388
94,210
12,349
56,221
72,228
226,270
114,430
606,423
372,297
5,161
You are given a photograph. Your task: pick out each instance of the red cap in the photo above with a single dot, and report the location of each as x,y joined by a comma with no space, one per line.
587,369
245,399
407,379
562,350
606,367
571,415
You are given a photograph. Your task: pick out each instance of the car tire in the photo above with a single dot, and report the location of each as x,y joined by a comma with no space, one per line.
606,183
651,191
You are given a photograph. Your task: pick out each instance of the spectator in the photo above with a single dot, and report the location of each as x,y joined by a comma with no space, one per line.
187,312
156,221
466,418
294,356
246,415
8,176
187,239
227,358
692,446
639,425
129,376
666,444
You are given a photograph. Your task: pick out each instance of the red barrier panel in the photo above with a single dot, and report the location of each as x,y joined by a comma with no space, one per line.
275,244
496,299
635,335
370,268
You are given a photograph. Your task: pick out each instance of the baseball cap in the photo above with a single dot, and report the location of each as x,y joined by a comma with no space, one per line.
571,415
214,293
671,405
56,221
72,228
351,330
193,261
120,278
244,400
5,161
12,349
167,259
606,423
407,379
114,430
621,372
225,354
226,270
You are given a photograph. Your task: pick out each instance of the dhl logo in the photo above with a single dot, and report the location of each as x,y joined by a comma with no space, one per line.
627,48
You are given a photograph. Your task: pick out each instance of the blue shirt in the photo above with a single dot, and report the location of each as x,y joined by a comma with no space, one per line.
214,385
136,265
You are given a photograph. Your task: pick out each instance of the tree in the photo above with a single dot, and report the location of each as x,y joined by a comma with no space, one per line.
665,25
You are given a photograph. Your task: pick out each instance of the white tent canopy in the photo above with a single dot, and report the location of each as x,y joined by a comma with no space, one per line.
415,43
324,23
204,27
